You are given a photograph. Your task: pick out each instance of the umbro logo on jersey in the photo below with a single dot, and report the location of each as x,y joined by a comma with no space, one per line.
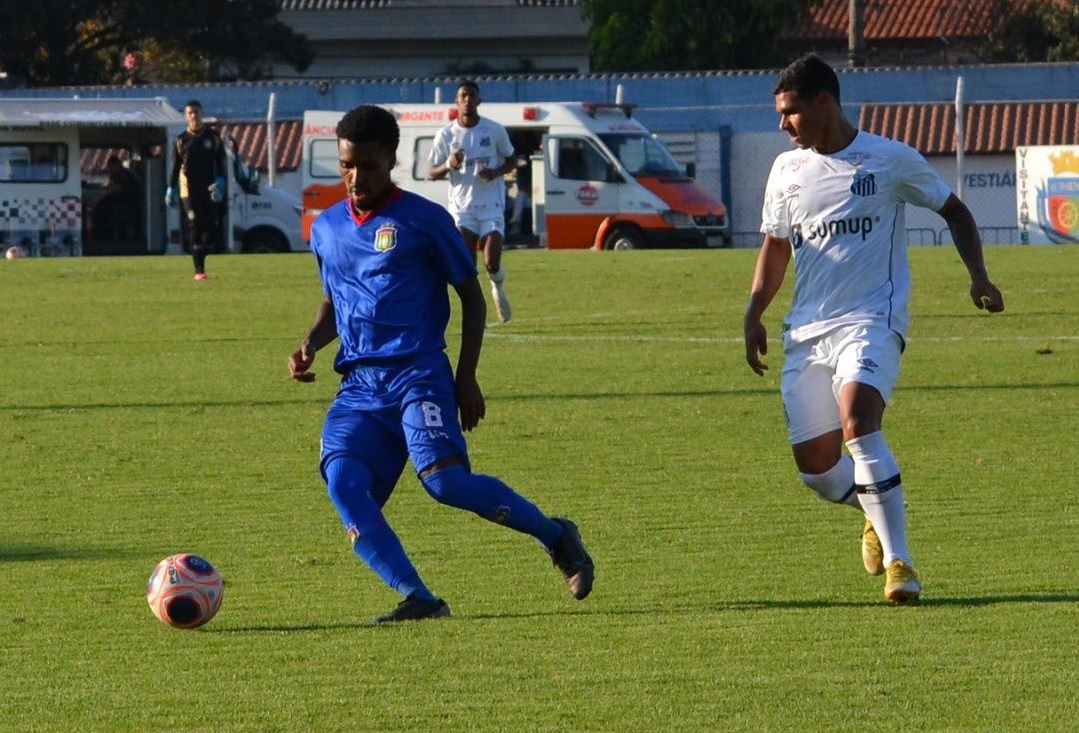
385,238
864,185
793,188
868,364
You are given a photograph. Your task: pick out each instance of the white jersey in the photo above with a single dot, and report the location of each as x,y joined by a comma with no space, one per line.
485,145
843,214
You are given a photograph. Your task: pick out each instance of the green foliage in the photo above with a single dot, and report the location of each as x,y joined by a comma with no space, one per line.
53,43
143,414
1047,30
645,35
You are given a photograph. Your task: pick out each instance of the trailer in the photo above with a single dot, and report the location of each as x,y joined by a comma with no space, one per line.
57,197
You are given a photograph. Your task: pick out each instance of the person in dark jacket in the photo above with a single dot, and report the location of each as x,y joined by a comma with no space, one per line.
198,179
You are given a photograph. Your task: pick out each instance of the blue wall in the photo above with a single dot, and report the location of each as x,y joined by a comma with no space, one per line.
668,102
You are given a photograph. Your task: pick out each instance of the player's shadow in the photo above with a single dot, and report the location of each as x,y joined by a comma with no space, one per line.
37,553
744,606
936,601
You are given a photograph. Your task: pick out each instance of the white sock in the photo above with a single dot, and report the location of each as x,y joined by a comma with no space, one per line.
836,484
880,493
498,276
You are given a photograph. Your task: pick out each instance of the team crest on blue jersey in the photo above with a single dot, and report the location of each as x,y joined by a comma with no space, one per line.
864,185
386,238
485,142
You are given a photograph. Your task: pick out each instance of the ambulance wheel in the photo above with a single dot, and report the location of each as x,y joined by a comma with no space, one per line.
624,237
263,241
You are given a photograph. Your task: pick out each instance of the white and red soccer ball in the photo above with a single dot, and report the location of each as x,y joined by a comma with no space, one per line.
184,591
14,252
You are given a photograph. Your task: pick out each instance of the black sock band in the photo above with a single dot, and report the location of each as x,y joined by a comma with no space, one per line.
880,487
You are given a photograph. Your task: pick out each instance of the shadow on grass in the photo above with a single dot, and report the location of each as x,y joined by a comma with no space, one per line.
37,553
322,399
705,608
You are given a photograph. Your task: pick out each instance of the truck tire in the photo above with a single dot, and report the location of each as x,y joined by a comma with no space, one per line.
624,238
264,241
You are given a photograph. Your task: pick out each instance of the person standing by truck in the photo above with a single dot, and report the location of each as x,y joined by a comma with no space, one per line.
198,179
476,152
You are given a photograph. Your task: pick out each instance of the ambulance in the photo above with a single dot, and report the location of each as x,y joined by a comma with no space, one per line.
598,178
55,197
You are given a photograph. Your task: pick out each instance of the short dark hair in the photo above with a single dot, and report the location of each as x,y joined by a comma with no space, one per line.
369,123
193,103
807,77
468,84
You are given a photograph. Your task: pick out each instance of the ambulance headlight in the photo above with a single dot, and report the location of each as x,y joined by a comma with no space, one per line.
677,219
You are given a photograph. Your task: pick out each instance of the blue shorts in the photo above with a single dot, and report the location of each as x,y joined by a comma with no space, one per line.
384,415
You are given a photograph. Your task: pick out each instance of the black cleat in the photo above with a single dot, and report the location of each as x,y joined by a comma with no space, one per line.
573,560
414,608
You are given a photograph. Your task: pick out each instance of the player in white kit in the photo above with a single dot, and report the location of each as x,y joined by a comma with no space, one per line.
476,152
836,204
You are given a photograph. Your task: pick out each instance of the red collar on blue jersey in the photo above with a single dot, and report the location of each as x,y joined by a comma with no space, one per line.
361,219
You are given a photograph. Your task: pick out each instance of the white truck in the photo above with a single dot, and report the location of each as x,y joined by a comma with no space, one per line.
599,178
54,193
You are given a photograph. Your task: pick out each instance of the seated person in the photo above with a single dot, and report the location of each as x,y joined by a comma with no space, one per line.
116,216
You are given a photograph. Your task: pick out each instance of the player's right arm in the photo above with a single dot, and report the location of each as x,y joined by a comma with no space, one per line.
323,331
442,159
177,161
768,277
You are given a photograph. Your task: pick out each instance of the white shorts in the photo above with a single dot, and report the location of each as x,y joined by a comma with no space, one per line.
815,371
481,224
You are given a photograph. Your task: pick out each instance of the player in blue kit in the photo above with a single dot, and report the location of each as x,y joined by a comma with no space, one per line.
386,257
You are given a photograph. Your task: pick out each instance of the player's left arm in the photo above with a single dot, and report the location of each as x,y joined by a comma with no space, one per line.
504,148
473,321
968,243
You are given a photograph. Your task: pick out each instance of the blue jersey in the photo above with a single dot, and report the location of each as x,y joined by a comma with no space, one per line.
387,275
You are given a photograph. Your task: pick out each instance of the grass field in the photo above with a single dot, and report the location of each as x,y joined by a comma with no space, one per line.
143,414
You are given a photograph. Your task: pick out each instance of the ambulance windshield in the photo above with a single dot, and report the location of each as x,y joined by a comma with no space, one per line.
643,155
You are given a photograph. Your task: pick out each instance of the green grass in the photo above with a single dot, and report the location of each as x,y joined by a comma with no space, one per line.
143,415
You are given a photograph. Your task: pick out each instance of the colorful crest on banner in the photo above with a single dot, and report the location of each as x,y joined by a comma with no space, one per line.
1058,200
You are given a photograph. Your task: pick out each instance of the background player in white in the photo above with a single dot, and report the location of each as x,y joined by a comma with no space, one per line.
476,152
836,205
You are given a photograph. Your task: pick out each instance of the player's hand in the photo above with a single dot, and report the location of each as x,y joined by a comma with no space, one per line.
986,296
217,190
470,402
170,197
300,361
454,161
756,337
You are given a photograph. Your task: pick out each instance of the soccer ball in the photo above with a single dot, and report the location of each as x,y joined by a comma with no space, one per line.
184,591
14,252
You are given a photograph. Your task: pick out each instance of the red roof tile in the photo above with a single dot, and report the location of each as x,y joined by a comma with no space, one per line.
991,127
250,140
890,20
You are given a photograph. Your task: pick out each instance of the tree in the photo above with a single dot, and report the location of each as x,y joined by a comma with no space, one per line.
1042,30
654,35
76,42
